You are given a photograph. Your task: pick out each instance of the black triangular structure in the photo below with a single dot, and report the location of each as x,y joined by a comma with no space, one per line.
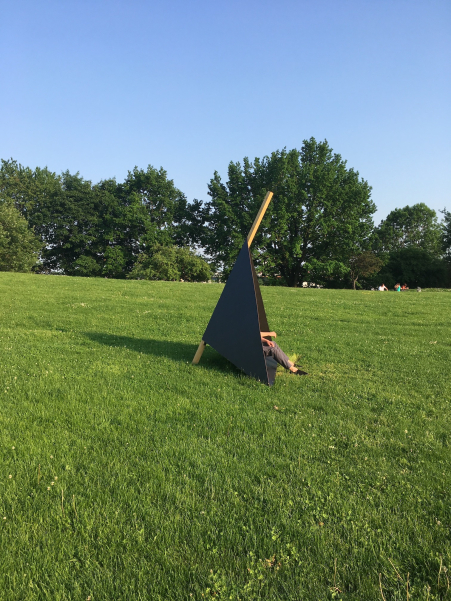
239,317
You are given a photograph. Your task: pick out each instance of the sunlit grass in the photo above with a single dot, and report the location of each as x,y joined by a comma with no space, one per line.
128,473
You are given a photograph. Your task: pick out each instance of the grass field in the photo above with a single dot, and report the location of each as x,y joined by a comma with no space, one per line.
129,474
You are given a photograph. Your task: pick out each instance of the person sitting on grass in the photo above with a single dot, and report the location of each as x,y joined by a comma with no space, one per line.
271,349
404,287
382,287
397,287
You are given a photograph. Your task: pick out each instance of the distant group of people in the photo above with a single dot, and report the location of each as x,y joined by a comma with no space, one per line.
397,287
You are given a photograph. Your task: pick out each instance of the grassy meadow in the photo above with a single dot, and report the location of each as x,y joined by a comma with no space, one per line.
126,473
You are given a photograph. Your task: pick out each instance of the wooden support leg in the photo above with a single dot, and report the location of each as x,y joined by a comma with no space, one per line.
199,352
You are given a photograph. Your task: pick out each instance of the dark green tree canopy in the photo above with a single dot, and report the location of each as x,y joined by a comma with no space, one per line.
363,265
320,215
446,233
415,267
98,230
170,263
30,190
164,205
318,227
413,226
19,247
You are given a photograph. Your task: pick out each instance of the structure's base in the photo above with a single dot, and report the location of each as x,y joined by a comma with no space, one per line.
199,352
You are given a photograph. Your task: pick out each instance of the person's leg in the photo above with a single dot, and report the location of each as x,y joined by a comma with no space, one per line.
281,358
278,355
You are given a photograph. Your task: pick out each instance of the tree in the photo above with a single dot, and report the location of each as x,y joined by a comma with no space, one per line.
146,210
70,227
99,230
446,233
446,243
29,190
170,263
320,214
415,267
363,265
413,226
122,222
19,247
59,208
193,268
164,204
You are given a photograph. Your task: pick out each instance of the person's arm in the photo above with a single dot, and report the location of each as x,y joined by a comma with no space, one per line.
264,340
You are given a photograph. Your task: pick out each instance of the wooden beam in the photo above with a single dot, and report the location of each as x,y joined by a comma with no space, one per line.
259,218
199,352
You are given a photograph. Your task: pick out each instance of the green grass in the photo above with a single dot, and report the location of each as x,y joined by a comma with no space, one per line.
127,473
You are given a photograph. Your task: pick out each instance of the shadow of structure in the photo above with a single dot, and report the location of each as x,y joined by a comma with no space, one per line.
177,351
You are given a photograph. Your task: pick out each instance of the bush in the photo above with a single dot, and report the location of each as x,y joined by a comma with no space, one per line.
85,266
170,263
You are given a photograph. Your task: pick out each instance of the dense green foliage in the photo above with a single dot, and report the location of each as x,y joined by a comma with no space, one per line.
97,230
127,473
363,265
19,247
412,243
319,223
416,227
170,263
320,214
447,233
413,266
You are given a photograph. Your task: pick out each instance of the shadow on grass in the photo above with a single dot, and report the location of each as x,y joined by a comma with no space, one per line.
177,351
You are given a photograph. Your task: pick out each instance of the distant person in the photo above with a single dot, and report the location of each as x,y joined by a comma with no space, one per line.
397,287
404,287
382,287
271,349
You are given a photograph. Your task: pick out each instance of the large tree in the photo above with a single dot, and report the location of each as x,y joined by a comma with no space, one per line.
415,267
164,205
412,226
412,243
99,230
34,192
59,208
19,247
321,213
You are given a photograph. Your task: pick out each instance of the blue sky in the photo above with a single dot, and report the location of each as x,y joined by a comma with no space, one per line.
100,86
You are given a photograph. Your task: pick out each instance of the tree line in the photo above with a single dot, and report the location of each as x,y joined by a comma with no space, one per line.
319,227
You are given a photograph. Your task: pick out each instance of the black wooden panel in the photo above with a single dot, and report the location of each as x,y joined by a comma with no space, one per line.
271,368
234,327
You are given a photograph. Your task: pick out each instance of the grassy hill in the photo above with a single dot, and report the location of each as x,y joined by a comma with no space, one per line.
127,473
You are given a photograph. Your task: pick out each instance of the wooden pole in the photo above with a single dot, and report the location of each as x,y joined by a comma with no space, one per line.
259,218
250,237
199,352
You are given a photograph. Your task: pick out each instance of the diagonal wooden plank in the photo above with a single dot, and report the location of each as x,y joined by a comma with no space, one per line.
259,218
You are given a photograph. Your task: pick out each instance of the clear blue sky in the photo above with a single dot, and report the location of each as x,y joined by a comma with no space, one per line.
100,86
